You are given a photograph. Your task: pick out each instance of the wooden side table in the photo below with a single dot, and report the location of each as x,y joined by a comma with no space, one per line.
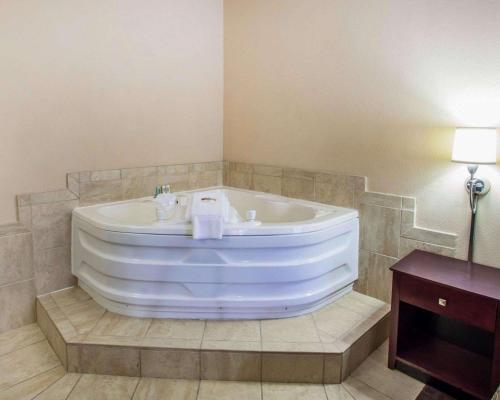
446,321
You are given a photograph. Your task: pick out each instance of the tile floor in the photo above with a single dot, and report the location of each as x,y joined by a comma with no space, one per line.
321,347
29,369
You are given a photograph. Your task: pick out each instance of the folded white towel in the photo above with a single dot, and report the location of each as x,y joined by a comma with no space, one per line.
208,212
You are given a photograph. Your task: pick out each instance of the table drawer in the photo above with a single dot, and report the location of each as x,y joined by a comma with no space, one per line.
467,307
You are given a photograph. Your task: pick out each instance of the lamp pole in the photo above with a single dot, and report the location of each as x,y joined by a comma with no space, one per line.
475,187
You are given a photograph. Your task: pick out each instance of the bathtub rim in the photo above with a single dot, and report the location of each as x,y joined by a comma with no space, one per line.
90,215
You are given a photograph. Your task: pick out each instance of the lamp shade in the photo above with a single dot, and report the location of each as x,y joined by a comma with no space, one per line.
475,146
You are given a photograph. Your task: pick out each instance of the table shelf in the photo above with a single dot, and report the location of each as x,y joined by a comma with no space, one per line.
464,369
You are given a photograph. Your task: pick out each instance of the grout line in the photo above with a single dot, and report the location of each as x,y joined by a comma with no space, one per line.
261,358
64,245
31,377
52,384
261,340
95,324
198,389
136,386
58,202
347,390
48,312
74,386
200,368
17,282
366,384
140,362
24,346
326,393
147,330
200,360
380,254
203,334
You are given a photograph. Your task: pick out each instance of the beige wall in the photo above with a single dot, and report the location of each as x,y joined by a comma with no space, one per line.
368,87
101,84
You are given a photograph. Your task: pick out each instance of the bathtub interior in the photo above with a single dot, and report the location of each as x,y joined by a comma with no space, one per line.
274,214
269,209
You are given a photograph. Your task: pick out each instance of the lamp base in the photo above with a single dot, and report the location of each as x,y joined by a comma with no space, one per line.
479,186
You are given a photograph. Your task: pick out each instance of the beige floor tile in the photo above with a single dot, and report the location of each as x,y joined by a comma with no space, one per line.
367,324
298,329
15,339
231,366
56,314
173,364
297,368
176,329
113,340
245,331
332,368
60,389
335,320
361,391
104,387
47,301
170,343
106,360
51,332
231,345
326,338
292,391
220,390
84,316
360,303
69,296
28,389
374,372
67,330
297,347
358,351
112,324
381,354
166,389
26,363
337,392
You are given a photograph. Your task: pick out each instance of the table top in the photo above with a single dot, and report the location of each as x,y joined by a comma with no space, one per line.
460,274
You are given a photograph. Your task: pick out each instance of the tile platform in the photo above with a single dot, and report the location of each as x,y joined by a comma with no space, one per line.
30,370
321,347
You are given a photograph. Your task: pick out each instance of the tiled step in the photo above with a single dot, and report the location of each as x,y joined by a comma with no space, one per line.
321,347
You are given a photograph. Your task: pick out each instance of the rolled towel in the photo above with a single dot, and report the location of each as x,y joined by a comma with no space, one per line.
208,211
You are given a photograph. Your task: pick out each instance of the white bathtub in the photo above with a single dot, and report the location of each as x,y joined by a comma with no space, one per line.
303,255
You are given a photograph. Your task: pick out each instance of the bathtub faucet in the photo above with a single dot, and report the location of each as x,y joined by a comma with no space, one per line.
161,189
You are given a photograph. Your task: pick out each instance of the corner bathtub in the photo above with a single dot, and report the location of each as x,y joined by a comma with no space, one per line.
302,256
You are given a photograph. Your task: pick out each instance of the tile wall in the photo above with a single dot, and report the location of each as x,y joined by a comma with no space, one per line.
387,222
35,253
17,278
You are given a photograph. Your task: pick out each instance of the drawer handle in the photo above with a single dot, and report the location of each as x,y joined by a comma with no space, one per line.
442,302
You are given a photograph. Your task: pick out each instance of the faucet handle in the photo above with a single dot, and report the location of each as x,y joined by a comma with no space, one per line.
158,190
165,189
161,189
